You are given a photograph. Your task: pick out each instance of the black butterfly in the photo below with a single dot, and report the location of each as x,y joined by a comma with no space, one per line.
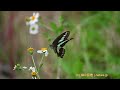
59,43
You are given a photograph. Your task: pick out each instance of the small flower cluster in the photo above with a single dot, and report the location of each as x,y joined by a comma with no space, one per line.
19,67
32,23
33,73
32,69
41,51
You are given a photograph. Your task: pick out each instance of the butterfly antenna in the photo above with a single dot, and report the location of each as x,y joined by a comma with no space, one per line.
71,38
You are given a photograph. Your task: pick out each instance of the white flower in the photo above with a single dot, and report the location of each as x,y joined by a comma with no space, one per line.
33,73
34,29
43,50
33,19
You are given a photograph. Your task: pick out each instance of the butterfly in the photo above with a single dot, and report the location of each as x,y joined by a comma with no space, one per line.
58,44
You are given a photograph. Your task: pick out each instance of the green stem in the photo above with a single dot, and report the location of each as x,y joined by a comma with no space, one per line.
85,54
45,26
59,69
35,66
40,62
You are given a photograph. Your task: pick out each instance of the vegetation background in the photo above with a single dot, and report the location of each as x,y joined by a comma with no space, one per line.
95,48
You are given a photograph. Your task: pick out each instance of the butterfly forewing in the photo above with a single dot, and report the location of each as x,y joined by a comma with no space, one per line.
61,38
62,44
65,36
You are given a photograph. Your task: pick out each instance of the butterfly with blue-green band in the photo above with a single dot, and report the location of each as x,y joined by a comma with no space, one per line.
59,43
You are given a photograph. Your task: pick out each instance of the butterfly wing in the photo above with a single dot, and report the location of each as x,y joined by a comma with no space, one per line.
59,42
62,44
61,38
61,52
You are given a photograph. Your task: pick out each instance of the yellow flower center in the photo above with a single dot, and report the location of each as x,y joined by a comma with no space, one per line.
30,49
33,17
34,74
43,49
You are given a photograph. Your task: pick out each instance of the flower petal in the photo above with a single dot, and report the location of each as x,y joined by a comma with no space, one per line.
24,67
39,51
46,53
32,69
35,78
37,15
35,31
32,77
32,22
14,67
34,14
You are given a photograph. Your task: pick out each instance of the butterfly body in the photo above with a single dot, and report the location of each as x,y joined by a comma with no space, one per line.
59,43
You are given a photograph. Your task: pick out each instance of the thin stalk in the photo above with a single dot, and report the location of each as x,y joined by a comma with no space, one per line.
35,66
40,62
85,53
45,26
58,69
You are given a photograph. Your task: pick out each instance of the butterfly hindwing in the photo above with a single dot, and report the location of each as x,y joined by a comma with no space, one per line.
61,52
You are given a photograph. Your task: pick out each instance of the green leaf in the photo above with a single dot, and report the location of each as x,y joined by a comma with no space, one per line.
60,29
77,67
53,26
66,67
61,19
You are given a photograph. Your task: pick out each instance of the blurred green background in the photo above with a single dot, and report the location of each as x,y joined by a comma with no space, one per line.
95,48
